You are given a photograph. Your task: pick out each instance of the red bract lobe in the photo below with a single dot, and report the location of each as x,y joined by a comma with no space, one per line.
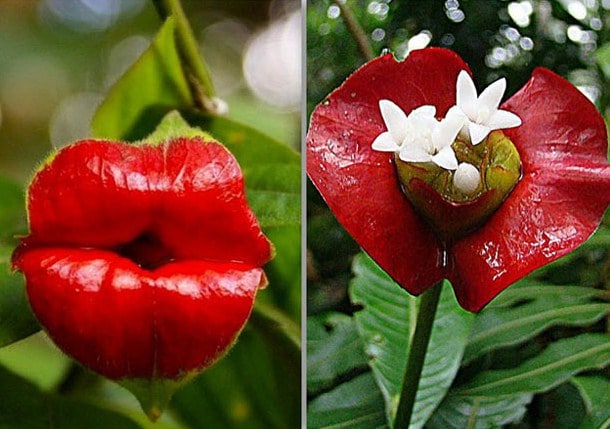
142,261
557,204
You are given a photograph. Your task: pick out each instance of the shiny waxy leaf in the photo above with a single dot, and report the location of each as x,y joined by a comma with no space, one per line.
539,307
595,392
357,404
151,87
386,324
458,412
556,364
24,406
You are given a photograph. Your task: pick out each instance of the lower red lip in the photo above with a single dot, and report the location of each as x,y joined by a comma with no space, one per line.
143,261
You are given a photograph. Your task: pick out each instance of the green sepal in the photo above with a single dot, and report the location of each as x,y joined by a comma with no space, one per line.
155,394
451,212
173,126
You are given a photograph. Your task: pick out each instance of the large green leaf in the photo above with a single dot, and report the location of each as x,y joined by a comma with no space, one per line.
556,364
357,404
595,392
256,387
152,86
540,307
387,322
458,412
334,349
23,406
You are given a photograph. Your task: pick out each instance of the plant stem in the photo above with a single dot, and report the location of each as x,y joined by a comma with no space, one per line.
196,71
417,354
356,30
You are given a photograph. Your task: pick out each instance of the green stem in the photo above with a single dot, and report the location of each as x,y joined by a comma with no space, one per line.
356,30
196,71
417,354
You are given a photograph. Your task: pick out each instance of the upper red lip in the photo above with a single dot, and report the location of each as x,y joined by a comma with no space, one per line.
142,260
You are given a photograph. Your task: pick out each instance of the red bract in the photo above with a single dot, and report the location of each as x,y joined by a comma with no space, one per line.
142,261
557,204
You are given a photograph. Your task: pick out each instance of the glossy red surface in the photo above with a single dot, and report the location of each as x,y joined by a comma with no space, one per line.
557,205
142,261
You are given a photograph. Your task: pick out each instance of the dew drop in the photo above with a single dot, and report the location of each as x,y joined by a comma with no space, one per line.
353,95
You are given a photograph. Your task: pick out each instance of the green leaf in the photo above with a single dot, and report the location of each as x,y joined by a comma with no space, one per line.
458,412
556,364
257,386
23,406
544,306
357,404
334,349
16,318
151,87
386,323
595,392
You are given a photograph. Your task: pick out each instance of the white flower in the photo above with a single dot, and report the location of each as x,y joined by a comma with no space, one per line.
482,113
419,137
466,178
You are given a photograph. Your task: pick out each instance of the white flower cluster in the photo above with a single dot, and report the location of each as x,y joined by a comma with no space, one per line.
420,137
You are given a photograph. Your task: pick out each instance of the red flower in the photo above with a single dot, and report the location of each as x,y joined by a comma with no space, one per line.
142,261
556,205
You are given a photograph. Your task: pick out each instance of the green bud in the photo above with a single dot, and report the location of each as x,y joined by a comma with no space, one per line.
451,211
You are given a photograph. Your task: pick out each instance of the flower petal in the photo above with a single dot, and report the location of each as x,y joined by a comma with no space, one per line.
395,119
492,95
446,159
425,110
558,203
414,153
466,97
502,119
477,132
385,143
447,130
359,184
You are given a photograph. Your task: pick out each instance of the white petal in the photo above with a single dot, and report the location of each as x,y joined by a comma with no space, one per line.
466,178
448,129
385,143
446,159
503,119
492,95
426,109
466,94
395,119
477,132
414,154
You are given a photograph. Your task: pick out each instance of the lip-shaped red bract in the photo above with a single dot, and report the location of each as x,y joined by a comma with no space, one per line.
142,261
557,204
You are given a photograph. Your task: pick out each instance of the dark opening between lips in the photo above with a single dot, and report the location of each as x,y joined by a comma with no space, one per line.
147,251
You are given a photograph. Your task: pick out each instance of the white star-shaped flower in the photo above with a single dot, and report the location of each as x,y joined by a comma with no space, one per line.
419,137
482,113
